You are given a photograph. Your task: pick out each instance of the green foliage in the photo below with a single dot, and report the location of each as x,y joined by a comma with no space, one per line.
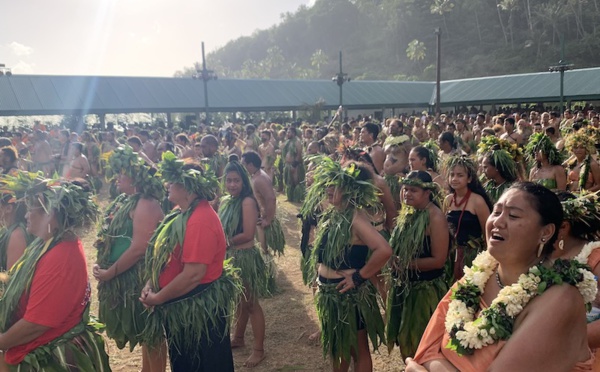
479,38
204,184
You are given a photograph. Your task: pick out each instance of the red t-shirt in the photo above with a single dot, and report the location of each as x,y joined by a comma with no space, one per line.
204,243
57,298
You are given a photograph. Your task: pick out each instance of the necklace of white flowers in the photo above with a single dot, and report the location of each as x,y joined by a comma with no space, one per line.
495,323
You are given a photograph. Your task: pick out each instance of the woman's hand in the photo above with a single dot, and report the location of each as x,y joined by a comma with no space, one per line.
149,298
412,366
147,288
102,275
346,284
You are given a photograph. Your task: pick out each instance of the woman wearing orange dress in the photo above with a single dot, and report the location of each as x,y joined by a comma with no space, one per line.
579,236
495,319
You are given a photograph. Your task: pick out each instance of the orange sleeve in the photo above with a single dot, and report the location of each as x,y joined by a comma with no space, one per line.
430,347
594,258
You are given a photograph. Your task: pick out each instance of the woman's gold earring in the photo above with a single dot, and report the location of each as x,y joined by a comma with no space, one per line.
49,229
561,244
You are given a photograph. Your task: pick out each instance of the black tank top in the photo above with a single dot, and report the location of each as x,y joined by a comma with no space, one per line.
354,257
469,226
416,275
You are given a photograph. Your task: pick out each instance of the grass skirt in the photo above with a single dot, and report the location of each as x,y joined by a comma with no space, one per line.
82,347
271,268
342,314
120,308
193,318
252,270
294,192
308,267
409,308
274,236
393,182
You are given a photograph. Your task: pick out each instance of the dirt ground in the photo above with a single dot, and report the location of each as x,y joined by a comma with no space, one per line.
290,317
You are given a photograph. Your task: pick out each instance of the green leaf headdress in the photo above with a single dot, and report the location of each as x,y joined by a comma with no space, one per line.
124,160
358,191
431,186
543,143
463,161
504,163
13,188
199,182
490,143
395,140
580,139
583,213
71,202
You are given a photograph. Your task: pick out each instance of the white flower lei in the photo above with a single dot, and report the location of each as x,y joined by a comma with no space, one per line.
474,333
587,249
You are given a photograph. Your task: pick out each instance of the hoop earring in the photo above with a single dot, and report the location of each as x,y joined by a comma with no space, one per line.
561,244
541,248
49,229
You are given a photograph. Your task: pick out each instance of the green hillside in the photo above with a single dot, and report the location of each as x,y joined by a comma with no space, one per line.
395,40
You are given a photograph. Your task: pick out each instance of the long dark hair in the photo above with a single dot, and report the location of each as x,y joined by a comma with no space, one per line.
234,166
423,153
474,185
547,205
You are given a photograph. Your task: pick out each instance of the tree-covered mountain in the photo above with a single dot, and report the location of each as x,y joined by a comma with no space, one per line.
395,39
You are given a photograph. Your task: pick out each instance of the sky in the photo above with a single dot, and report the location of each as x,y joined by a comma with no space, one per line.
125,37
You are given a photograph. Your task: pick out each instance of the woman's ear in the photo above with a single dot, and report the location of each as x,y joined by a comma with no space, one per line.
565,228
548,231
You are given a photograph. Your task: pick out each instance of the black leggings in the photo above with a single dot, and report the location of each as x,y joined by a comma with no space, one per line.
211,355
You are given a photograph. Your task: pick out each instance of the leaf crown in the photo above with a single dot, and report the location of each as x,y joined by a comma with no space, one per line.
71,201
194,178
541,142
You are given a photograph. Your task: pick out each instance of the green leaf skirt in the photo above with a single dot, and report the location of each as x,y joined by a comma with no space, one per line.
81,347
120,308
275,237
342,315
194,317
253,270
410,305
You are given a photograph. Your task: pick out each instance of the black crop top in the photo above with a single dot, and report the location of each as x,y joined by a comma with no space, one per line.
354,257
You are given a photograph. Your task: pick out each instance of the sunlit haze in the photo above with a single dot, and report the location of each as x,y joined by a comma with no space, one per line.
125,37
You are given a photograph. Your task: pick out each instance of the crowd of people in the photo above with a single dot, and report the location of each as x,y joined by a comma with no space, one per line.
468,241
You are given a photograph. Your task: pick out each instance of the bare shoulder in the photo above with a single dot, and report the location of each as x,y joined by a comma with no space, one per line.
361,218
447,200
436,214
249,202
479,201
147,205
17,234
561,301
